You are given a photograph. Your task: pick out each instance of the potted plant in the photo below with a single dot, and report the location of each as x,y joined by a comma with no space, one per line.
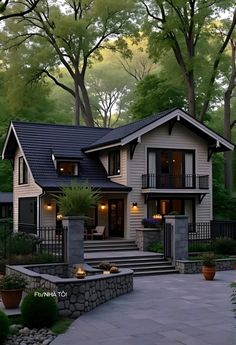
11,288
208,266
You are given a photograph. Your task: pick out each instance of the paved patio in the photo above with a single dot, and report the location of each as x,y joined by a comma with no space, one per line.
162,310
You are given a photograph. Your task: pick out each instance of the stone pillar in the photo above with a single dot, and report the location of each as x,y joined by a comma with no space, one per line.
75,239
179,236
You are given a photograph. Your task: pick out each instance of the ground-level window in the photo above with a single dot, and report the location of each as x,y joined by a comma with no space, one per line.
5,211
165,206
23,171
28,214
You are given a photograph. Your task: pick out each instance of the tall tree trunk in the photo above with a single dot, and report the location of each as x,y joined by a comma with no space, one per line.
77,105
228,157
86,110
191,94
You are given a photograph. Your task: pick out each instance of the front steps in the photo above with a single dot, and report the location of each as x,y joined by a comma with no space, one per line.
142,263
108,245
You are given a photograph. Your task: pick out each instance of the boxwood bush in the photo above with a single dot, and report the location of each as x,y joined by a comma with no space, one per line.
4,327
39,310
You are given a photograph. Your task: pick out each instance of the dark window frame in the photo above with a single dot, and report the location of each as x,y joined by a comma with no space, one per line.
114,163
23,171
67,161
171,198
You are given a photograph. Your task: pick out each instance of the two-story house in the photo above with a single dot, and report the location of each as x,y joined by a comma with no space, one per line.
151,167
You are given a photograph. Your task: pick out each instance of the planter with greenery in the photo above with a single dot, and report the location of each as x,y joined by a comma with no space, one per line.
151,222
208,266
11,288
73,204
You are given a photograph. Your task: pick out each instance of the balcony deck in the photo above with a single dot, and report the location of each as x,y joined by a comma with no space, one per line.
177,182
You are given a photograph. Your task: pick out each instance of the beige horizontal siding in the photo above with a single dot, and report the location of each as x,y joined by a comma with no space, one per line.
180,138
31,189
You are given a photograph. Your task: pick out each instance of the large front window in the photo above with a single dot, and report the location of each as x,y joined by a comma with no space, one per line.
114,162
170,168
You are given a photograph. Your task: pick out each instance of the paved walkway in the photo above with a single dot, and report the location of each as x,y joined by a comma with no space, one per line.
162,310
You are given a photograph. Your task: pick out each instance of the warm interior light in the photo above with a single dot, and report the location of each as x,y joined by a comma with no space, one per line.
61,169
103,206
157,216
49,207
59,217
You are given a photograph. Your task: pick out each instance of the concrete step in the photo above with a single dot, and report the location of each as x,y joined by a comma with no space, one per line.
108,249
125,259
155,272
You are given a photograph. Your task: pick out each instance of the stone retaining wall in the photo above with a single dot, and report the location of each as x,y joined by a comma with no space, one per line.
77,296
195,266
146,236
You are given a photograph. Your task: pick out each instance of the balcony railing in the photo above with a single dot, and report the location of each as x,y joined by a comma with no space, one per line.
175,181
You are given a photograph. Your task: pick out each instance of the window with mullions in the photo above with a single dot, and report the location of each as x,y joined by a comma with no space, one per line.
114,162
23,171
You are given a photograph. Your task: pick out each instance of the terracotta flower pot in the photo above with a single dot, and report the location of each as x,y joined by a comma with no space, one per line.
209,272
11,298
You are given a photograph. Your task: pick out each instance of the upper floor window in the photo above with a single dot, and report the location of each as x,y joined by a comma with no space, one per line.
68,168
114,162
23,171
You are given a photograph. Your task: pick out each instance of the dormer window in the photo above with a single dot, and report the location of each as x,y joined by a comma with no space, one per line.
68,168
23,171
114,162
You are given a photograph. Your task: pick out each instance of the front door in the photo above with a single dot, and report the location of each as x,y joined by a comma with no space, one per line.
116,218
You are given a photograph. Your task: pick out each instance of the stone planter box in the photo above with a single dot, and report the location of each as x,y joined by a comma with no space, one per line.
75,296
195,266
146,236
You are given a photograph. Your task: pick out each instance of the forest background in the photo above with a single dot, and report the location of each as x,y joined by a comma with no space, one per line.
107,63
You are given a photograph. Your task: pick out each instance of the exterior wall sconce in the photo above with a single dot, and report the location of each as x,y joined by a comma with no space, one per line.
49,207
134,204
103,206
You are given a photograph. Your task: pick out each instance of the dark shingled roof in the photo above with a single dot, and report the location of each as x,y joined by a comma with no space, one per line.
39,141
6,198
119,133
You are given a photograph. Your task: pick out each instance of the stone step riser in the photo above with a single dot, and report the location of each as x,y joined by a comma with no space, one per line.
148,273
135,265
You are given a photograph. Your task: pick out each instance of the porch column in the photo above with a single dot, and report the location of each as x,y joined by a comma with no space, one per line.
75,240
179,235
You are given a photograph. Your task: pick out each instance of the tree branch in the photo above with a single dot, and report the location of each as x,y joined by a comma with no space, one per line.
18,14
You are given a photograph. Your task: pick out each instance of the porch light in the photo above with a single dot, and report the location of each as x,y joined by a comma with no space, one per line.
49,207
134,204
103,206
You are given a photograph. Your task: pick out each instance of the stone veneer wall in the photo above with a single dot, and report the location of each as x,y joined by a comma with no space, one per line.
77,296
146,236
188,266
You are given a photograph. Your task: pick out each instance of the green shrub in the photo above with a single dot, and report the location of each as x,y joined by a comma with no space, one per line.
200,247
3,263
76,199
156,247
208,260
12,282
21,243
39,310
225,246
4,327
